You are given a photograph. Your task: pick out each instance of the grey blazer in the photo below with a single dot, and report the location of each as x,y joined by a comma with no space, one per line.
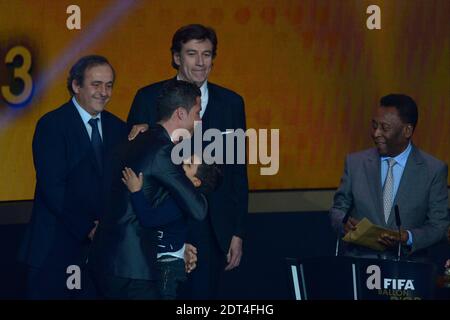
422,196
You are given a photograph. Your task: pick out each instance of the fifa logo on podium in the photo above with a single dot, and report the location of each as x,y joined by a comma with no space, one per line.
374,281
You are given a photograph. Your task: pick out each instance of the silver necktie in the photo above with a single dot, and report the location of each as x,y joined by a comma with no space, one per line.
388,189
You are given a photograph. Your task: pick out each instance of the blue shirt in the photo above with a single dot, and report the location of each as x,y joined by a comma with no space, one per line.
397,171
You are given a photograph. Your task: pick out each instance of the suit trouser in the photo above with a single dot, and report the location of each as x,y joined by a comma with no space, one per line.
118,288
50,283
203,283
171,274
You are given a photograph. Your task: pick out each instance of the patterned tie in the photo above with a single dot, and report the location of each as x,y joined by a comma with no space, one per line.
388,189
96,142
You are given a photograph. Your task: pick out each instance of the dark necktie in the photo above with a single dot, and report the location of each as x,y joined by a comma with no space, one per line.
96,141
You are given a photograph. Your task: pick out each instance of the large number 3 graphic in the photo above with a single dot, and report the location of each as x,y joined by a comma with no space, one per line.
22,73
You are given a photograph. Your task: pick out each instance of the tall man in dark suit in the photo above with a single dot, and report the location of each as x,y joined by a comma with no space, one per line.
218,238
69,148
124,250
396,172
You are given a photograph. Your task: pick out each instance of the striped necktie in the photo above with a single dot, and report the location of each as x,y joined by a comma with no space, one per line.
388,189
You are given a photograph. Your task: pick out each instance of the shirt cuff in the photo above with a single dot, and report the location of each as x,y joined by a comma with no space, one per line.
410,238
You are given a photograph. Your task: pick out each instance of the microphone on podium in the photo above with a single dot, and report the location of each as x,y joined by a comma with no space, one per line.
344,221
398,222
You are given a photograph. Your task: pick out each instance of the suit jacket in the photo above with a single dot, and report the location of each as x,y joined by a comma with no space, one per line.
421,196
69,187
123,246
228,205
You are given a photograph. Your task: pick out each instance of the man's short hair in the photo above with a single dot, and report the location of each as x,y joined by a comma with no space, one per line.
78,69
210,175
192,32
405,105
175,94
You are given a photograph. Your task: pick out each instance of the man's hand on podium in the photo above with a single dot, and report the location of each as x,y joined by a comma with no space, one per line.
392,241
350,225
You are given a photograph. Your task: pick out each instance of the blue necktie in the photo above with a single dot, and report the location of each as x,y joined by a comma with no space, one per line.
96,141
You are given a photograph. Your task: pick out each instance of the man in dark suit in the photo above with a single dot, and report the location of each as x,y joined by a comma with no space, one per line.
123,256
218,238
396,172
69,148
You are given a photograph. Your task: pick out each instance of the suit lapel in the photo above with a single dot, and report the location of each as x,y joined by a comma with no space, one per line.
407,182
372,167
78,129
212,104
106,131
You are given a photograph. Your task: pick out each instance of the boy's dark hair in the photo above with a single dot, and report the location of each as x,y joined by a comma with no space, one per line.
211,177
84,63
175,94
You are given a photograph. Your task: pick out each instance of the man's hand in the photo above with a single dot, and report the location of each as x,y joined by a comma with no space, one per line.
350,225
92,233
190,258
137,128
234,253
392,241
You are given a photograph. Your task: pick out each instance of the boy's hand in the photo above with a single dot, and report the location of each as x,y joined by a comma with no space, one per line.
133,183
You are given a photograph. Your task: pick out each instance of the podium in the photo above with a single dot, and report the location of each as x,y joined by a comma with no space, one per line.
349,278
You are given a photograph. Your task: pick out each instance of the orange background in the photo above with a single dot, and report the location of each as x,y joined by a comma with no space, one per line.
310,68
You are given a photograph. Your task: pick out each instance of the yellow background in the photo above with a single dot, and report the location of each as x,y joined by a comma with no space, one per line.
310,68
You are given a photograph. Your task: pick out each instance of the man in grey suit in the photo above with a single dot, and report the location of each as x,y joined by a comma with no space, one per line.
395,172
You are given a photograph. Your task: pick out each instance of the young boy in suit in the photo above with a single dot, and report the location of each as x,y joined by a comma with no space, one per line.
171,223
